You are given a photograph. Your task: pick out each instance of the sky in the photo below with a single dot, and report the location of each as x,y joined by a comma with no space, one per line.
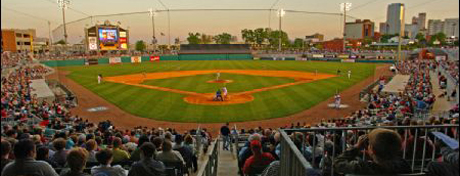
36,14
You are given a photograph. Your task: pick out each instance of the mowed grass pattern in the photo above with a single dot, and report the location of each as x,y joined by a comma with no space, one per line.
199,83
169,106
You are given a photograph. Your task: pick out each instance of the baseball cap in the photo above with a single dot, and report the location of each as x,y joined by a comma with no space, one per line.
255,144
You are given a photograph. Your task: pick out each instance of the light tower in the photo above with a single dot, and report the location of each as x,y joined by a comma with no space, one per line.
281,13
344,7
152,14
63,4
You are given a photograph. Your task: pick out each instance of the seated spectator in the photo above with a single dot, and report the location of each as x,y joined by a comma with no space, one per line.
449,164
158,142
147,165
105,157
43,155
189,143
384,148
119,155
25,164
6,150
258,161
169,155
185,151
91,147
135,155
60,155
76,160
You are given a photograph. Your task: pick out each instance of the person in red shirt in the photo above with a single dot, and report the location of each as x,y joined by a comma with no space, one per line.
258,161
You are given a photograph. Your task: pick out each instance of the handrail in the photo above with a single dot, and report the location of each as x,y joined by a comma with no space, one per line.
210,165
367,128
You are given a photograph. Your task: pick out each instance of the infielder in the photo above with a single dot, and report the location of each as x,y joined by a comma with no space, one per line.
217,76
337,100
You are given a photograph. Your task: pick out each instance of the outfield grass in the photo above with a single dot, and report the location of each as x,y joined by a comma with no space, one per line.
169,106
199,83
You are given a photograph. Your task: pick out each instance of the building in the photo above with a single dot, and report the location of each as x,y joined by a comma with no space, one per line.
41,45
421,21
411,30
395,13
435,26
314,38
359,29
333,45
18,40
451,27
383,28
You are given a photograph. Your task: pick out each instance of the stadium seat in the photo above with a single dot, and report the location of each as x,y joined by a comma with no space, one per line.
174,168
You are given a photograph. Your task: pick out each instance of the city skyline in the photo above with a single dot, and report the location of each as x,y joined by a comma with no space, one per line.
21,14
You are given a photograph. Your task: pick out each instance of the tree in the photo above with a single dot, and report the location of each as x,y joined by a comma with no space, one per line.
441,37
177,41
420,37
60,42
298,43
386,37
194,38
206,39
223,38
140,45
456,42
260,35
274,36
248,36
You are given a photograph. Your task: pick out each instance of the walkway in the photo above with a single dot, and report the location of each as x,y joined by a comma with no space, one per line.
228,164
441,104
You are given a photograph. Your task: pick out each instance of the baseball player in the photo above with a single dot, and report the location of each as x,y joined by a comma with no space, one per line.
217,76
219,95
337,100
99,79
349,74
144,74
224,92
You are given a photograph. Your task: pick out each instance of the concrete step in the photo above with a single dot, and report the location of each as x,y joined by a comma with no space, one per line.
228,164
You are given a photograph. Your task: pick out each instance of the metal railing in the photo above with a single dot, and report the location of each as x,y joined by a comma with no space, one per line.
418,152
210,165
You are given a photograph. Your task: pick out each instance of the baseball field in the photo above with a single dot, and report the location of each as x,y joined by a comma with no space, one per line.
183,91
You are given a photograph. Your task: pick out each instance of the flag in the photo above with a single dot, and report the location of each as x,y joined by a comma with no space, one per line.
162,34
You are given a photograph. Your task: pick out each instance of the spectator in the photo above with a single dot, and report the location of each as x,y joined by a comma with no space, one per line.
147,165
225,132
91,147
76,160
25,164
119,155
384,148
60,155
158,142
105,157
189,143
43,155
169,155
449,164
258,161
135,155
6,150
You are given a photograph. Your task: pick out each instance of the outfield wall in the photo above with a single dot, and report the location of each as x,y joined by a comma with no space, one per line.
129,59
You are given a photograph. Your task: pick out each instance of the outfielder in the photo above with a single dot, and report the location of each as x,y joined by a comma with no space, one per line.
99,79
349,74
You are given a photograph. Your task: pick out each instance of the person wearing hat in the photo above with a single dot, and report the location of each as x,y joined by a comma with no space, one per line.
258,161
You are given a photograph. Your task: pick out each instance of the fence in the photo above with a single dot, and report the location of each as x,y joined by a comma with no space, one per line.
210,165
293,163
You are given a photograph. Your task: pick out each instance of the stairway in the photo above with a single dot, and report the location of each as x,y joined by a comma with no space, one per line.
228,164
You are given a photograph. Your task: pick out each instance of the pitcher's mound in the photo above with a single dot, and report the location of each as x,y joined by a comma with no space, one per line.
207,99
220,81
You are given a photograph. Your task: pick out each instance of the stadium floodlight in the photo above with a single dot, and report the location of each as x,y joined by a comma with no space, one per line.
280,13
64,4
152,14
344,7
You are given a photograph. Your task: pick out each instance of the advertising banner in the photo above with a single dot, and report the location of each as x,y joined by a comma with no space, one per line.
343,56
92,43
318,56
136,59
154,58
348,60
114,60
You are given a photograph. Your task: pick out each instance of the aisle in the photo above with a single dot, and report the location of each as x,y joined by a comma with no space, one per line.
228,164
441,104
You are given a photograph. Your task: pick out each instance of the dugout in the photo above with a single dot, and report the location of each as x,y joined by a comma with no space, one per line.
215,52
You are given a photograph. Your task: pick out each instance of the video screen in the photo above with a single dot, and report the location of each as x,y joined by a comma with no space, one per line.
108,35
